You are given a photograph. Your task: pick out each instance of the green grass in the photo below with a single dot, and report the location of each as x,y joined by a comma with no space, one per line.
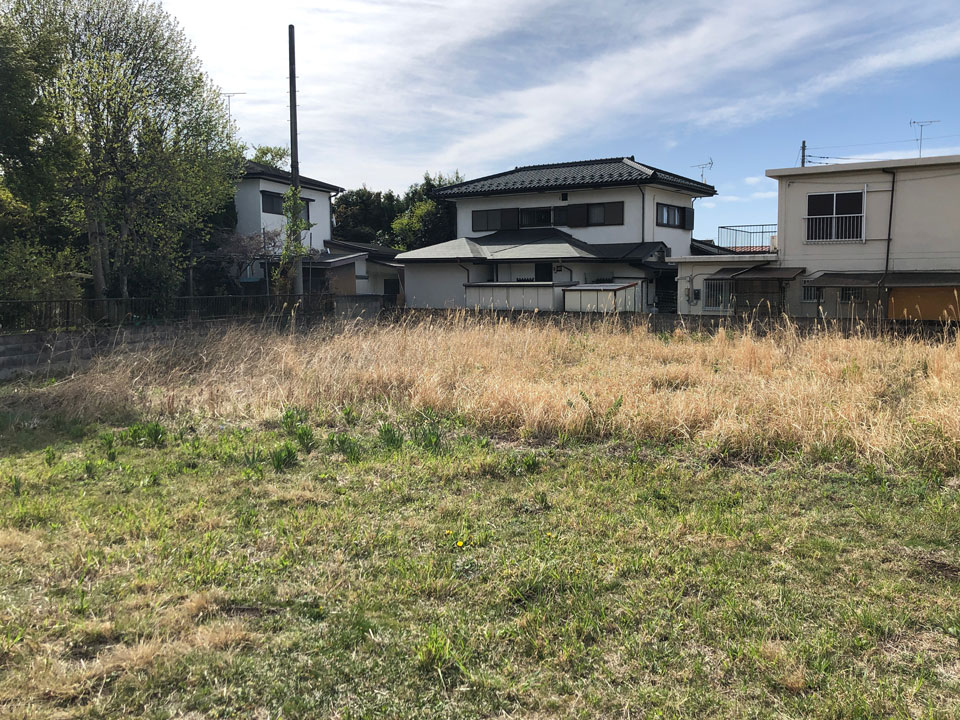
410,567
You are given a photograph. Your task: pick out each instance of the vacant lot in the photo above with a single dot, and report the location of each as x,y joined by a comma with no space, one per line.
462,518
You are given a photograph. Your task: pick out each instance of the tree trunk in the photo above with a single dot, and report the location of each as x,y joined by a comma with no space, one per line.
96,257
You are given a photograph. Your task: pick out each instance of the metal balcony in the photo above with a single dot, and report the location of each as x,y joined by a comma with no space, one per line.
834,229
747,238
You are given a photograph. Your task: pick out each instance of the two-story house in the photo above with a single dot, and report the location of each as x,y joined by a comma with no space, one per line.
865,239
260,218
589,235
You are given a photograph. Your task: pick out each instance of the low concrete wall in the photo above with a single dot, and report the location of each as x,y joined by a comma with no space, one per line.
62,351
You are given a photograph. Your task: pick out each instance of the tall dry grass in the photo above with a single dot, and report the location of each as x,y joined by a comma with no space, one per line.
733,391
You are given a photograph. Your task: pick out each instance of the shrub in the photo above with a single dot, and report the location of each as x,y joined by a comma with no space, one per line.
284,456
390,436
292,418
349,447
306,438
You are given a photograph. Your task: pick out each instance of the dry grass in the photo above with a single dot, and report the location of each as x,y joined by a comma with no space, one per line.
733,391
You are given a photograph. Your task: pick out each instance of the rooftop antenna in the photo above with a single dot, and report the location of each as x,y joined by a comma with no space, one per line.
228,96
704,167
922,124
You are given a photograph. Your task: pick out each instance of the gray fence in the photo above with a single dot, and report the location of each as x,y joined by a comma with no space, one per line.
45,315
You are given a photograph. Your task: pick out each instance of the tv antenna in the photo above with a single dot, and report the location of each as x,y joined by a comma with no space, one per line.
228,96
704,167
922,124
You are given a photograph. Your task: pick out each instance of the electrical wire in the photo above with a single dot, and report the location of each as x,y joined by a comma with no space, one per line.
882,142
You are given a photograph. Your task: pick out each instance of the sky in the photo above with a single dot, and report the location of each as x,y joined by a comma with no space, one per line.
390,90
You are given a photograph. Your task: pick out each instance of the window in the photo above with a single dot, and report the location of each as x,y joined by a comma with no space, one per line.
272,203
851,294
595,214
716,294
484,220
391,286
582,214
834,217
812,294
535,217
543,272
674,216
563,197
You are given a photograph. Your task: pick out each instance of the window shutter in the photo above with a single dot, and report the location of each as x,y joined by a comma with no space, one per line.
688,218
577,215
510,219
559,214
613,213
479,220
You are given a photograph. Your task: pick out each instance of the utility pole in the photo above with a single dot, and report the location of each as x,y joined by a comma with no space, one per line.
294,154
803,153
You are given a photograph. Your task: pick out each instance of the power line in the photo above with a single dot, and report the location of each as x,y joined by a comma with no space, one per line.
884,142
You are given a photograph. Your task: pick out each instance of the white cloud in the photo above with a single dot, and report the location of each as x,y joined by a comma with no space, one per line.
763,195
388,90
752,180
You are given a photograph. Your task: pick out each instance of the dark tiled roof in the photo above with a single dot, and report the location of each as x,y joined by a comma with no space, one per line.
253,169
606,172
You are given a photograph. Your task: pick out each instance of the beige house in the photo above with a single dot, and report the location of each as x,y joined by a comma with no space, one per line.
870,239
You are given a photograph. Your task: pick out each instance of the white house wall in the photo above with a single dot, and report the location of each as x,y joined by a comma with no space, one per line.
926,216
440,285
677,240
252,220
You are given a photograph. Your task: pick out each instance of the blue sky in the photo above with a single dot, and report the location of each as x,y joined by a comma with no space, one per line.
388,90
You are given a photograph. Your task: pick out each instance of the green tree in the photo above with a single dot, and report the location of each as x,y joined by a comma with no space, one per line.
363,215
287,274
272,155
155,152
426,221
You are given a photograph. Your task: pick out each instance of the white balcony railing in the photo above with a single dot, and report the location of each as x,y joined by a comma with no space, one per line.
834,229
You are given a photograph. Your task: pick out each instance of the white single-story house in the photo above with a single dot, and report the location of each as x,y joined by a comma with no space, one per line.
877,239
532,238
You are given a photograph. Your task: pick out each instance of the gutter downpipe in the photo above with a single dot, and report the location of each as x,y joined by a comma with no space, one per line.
886,260
467,271
643,214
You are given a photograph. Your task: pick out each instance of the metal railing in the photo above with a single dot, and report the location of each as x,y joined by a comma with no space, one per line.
27,315
834,228
748,238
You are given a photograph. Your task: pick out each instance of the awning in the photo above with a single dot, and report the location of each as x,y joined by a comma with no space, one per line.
763,271
726,273
769,272
602,287
838,280
922,279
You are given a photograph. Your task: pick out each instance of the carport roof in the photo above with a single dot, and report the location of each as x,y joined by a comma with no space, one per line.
528,245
